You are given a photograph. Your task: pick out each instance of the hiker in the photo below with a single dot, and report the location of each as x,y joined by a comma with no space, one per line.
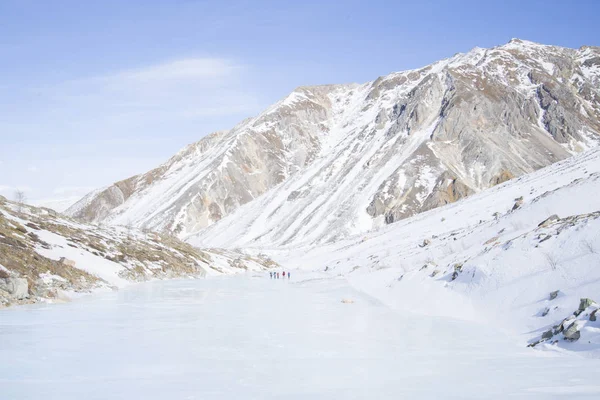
278,275
283,274
289,274
271,275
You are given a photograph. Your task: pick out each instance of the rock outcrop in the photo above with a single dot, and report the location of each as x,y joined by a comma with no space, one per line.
585,303
548,221
572,332
581,322
16,288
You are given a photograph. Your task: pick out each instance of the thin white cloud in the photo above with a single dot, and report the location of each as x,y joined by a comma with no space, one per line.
186,69
76,129
188,88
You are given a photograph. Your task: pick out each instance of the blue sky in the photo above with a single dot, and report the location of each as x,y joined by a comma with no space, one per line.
93,92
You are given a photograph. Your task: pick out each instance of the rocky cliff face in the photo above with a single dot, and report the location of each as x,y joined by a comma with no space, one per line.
330,161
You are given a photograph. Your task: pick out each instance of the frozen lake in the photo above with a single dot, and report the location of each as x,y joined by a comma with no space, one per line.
253,338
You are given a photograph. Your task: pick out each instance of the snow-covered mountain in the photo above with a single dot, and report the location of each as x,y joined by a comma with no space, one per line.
327,162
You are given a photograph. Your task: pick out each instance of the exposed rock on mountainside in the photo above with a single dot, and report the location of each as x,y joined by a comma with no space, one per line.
570,329
330,161
46,256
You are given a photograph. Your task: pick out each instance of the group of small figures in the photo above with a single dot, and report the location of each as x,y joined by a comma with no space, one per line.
275,275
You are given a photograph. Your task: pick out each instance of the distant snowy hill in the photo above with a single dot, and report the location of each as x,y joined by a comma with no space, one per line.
328,162
59,205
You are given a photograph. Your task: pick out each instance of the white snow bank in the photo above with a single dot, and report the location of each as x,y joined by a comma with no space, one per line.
479,265
84,260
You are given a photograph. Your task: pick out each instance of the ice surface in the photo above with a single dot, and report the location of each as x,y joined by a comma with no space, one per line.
249,337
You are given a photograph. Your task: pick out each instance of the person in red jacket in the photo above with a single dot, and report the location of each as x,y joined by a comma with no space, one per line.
283,274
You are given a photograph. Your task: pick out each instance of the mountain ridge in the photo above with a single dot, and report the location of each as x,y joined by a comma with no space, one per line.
407,142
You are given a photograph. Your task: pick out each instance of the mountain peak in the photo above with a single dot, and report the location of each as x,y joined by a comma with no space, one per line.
330,161
523,42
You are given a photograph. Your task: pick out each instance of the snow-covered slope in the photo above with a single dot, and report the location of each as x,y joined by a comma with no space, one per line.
328,162
494,257
44,255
